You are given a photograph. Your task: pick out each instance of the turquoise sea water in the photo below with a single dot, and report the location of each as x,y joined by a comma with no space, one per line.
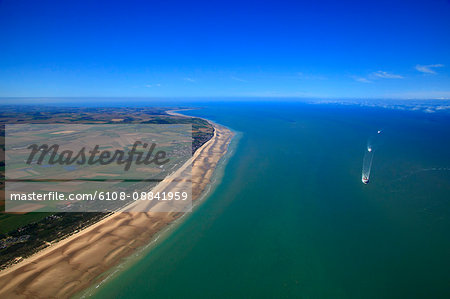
291,217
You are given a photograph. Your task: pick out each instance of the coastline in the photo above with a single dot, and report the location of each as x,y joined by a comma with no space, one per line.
163,235
77,262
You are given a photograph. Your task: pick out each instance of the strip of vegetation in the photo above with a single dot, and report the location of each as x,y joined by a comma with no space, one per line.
30,238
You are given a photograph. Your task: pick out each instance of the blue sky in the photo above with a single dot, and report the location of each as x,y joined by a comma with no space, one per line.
325,49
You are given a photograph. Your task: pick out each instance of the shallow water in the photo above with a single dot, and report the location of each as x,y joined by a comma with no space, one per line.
291,217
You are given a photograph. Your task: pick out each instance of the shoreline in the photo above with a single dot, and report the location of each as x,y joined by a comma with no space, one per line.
77,262
165,233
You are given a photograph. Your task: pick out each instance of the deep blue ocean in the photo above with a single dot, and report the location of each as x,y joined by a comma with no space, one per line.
291,217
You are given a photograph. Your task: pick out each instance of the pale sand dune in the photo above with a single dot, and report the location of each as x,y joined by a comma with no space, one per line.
75,263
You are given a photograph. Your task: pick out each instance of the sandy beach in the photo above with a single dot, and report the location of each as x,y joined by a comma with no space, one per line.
75,263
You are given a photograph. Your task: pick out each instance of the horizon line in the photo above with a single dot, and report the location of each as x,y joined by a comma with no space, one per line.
222,97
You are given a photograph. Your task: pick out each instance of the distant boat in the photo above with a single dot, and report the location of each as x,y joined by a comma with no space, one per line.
365,179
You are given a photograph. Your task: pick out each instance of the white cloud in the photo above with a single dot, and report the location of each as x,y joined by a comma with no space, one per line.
423,94
361,79
377,75
189,79
386,75
428,69
152,85
238,79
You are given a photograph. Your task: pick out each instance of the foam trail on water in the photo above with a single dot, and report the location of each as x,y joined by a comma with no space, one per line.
368,157
367,163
